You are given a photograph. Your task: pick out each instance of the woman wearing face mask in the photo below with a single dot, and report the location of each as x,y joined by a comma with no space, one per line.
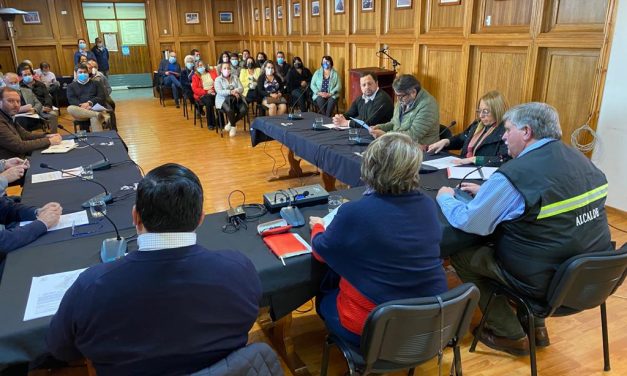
186,77
229,98
225,57
261,59
204,90
270,88
326,85
298,79
83,51
235,68
416,112
248,76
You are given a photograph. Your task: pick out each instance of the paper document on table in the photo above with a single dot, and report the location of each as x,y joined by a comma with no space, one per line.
336,127
98,108
362,123
483,173
329,217
46,293
63,147
56,175
442,163
28,115
67,220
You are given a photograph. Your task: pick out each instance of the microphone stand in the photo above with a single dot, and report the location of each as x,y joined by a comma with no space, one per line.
104,164
106,196
112,248
395,63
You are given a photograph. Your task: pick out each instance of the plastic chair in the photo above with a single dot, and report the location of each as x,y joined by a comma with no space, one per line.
582,282
405,333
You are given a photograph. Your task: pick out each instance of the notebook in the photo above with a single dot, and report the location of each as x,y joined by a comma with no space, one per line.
286,245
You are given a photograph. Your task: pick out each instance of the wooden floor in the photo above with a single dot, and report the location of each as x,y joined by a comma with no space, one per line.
157,135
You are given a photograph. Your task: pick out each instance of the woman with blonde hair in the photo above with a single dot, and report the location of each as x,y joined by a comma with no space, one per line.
482,141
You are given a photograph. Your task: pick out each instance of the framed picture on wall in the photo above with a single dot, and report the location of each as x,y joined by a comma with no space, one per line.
31,18
339,6
256,14
267,11
367,5
403,4
226,17
315,8
296,9
192,18
279,12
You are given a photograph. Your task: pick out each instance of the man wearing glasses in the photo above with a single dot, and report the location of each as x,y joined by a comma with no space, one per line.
416,113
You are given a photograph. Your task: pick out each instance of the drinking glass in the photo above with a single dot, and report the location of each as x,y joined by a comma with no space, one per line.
97,208
319,121
335,201
353,134
87,173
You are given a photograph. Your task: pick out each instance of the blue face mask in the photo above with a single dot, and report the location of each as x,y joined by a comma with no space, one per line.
196,57
14,86
201,70
27,79
82,77
326,65
189,65
172,60
234,62
82,46
280,60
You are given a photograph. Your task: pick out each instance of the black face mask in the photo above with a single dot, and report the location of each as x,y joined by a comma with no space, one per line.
260,61
249,65
298,64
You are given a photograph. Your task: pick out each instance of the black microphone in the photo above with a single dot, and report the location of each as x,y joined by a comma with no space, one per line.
291,116
100,165
463,195
112,248
453,123
106,196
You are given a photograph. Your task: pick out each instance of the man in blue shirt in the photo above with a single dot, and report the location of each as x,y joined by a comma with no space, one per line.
170,71
173,307
533,212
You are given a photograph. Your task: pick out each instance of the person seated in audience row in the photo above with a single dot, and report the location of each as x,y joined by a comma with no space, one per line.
195,55
39,89
83,94
98,76
102,56
533,210
48,77
245,56
186,76
374,106
204,90
416,113
185,307
229,98
248,76
169,72
32,114
481,144
235,68
83,51
298,81
270,88
15,141
282,67
225,57
326,86
261,59
379,265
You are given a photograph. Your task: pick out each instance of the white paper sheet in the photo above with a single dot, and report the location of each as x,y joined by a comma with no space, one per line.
329,217
56,175
98,108
28,115
442,163
67,220
336,127
46,293
461,172
362,123
63,147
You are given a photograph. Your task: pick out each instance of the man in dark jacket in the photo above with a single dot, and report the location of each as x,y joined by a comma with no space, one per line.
39,89
102,56
83,95
169,72
374,106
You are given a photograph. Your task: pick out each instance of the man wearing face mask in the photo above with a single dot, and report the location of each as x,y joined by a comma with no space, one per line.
235,68
40,91
83,51
282,66
415,114
186,75
195,54
102,56
170,71
15,141
83,94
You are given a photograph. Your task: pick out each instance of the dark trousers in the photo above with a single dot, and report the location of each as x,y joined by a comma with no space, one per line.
175,84
209,101
234,108
326,106
297,95
479,266
328,312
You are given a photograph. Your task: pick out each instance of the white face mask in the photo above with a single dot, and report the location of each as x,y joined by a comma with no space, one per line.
94,71
269,71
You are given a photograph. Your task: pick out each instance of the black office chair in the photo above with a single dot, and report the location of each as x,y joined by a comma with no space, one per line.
582,282
405,333
253,359
162,90
198,112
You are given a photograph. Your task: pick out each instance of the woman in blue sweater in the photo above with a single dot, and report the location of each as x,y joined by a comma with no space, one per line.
384,246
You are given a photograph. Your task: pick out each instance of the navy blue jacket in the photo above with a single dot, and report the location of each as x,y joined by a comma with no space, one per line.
102,57
14,236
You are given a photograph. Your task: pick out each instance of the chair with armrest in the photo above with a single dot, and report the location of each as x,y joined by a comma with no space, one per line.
402,334
582,282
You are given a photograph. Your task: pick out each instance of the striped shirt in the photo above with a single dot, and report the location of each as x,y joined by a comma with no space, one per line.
153,241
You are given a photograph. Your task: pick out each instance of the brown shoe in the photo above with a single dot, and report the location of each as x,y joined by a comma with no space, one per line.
542,337
517,347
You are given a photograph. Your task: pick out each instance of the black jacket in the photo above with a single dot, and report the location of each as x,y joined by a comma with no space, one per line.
491,151
378,111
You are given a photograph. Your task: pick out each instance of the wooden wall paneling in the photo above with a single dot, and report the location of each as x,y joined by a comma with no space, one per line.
6,59
339,52
224,45
267,22
280,22
575,15
66,60
219,29
41,31
442,18
37,54
313,24
137,61
363,21
336,23
495,68
399,20
280,46
295,48
497,16
164,18
565,74
363,55
268,48
314,53
191,6
294,24
203,46
440,76
404,53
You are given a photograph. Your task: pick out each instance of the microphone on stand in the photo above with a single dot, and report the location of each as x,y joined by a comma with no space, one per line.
106,196
384,48
96,166
290,115
90,135
462,195
453,123
112,248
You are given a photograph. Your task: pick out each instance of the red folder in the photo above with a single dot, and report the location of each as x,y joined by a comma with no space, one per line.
286,245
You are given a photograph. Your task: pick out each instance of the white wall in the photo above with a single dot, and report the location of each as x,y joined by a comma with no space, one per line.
610,153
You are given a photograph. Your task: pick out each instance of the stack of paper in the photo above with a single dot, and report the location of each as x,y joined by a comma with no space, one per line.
63,147
67,220
46,293
442,163
56,175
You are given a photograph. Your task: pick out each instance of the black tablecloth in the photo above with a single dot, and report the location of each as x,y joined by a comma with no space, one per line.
72,192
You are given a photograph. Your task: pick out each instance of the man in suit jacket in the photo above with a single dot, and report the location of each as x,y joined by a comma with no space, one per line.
374,106
173,306
15,141
170,71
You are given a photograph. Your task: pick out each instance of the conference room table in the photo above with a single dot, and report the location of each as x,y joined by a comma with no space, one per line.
285,288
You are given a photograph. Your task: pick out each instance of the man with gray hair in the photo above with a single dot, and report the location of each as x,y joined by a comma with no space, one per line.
542,207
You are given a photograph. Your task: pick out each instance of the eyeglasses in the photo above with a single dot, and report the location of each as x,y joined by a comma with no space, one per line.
484,112
401,96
